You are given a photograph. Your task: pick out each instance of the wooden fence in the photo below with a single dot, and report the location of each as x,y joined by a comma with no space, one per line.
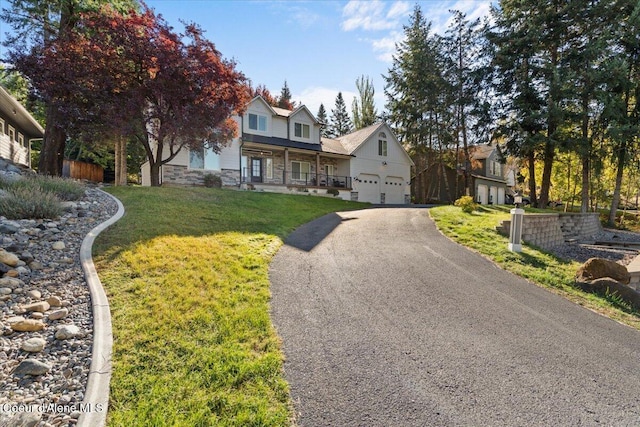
81,170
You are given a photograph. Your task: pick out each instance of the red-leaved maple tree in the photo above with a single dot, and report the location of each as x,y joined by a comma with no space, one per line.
131,74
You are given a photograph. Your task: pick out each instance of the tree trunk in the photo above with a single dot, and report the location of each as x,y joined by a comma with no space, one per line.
121,161
584,198
155,173
52,154
549,154
532,178
616,192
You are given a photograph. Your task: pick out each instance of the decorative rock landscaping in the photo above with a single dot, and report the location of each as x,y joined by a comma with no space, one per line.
46,323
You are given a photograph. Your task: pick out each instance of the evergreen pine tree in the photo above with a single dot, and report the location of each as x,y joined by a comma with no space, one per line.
340,121
284,100
322,118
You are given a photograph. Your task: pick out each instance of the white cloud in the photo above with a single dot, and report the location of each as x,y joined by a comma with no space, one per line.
366,15
399,10
386,46
313,96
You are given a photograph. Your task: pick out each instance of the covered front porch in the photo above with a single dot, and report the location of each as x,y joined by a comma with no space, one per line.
274,168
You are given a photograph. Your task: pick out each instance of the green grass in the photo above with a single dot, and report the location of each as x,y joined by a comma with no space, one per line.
477,231
186,273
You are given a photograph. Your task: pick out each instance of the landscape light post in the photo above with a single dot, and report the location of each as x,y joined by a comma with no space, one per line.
515,232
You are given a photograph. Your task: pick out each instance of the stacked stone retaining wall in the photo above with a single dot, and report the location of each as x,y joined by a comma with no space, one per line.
182,175
547,231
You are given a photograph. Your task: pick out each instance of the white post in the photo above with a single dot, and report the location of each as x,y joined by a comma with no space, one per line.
515,232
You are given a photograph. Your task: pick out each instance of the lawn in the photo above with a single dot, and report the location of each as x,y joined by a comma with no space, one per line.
186,274
477,231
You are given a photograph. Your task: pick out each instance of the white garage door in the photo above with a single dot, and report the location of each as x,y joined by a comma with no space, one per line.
393,190
482,196
368,188
501,196
493,195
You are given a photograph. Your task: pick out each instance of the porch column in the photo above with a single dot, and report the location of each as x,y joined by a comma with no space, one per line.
317,168
286,162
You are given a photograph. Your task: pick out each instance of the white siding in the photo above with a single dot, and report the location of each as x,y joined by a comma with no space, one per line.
279,127
260,108
396,165
13,151
303,117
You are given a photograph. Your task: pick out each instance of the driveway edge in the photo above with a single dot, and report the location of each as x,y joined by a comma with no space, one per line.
96,398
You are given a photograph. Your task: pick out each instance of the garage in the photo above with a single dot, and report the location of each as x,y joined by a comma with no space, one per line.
393,189
368,188
482,195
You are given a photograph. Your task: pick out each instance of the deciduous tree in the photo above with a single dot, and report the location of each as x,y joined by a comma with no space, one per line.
36,25
364,110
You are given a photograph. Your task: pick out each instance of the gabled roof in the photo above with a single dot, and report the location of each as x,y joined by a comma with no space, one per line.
304,108
10,107
353,140
481,152
333,146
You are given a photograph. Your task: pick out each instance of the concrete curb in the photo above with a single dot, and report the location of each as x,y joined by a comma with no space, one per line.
96,397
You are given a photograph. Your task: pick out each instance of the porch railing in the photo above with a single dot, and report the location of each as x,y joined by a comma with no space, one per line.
298,178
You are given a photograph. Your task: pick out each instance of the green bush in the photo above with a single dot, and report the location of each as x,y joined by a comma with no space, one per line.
333,191
24,202
211,180
466,203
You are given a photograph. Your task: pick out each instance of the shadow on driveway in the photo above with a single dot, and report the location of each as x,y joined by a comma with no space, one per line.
307,236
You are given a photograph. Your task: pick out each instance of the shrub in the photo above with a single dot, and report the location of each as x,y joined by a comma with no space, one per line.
29,202
333,191
466,203
63,189
211,180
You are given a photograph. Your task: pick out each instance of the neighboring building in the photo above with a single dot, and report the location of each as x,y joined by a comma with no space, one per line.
17,129
445,185
282,151
487,172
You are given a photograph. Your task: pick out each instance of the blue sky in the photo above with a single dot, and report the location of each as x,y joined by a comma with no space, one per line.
319,47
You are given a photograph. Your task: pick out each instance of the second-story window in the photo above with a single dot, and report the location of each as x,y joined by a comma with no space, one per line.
302,130
495,168
382,144
257,122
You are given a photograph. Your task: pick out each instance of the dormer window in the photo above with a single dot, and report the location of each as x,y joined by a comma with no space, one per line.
257,122
382,144
302,130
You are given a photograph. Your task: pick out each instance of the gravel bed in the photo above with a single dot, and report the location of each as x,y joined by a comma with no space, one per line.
46,324
582,251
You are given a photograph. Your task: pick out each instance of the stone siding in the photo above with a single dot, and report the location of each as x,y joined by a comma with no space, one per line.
547,231
182,175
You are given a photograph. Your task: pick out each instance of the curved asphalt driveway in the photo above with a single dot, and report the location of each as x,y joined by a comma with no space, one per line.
385,322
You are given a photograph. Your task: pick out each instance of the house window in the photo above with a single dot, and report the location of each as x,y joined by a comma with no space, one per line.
495,168
2,127
12,133
382,147
300,170
328,170
204,158
21,139
302,130
268,164
257,122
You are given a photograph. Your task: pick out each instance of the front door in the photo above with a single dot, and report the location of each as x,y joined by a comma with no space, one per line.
256,169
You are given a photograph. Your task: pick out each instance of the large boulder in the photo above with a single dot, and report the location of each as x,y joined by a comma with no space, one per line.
606,285
597,268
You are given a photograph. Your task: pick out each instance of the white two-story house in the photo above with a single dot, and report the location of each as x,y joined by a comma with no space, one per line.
282,151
